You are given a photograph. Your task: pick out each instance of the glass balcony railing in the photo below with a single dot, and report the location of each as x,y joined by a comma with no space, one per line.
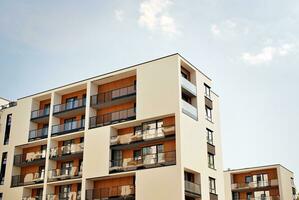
66,150
192,187
189,110
68,127
65,196
258,184
149,134
117,192
31,157
40,197
188,86
40,113
64,173
78,103
28,179
38,134
112,118
144,161
113,95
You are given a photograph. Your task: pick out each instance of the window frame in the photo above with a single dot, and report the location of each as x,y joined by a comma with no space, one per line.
212,185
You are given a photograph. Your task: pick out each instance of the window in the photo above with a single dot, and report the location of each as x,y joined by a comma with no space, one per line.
211,159
1,196
70,124
47,109
71,103
210,137
64,191
185,73
7,129
189,177
3,167
212,184
248,195
207,91
116,158
186,98
208,113
248,179
236,196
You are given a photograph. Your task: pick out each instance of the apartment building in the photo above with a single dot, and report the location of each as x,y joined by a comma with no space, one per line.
273,182
145,132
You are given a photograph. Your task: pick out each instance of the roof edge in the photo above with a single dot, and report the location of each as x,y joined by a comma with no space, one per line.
262,166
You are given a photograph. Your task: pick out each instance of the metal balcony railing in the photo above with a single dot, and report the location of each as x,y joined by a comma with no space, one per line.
28,179
66,150
40,113
144,161
112,118
64,173
192,187
125,191
38,134
78,103
113,95
68,127
149,134
31,157
262,198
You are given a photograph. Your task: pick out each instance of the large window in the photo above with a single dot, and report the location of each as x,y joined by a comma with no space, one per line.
210,136
208,113
248,179
7,129
212,184
236,196
3,167
211,159
207,91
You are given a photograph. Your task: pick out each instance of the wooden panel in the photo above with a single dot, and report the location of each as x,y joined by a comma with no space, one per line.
117,84
124,106
125,131
29,169
78,94
240,178
114,182
31,149
168,121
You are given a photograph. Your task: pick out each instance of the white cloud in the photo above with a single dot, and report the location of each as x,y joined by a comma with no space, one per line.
228,28
154,16
215,29
267,54
119,15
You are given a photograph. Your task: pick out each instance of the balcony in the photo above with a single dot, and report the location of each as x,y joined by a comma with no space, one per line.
67,152
29,159
32,198
189,110
143,162
113,97
117,192
254,185
145,135
38,134
188,87
69,127
65,196
40,116
112,118
64,173
192,189
70,109
27,179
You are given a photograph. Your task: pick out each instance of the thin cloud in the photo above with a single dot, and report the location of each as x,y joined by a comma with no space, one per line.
119,15
228,28
215,29
267,54
154,16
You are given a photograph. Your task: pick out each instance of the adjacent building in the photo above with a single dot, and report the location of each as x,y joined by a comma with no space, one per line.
146,132
273,182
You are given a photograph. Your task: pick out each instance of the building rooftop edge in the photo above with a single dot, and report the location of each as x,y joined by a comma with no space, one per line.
124,68
5,99
252,168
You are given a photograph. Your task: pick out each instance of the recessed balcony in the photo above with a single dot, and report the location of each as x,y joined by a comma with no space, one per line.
188,87
123,192
192,189
112,118
40,116
254,185
150,160
113,97
68,127
68,152
64,173
29,159
189,110
28,179
38,134
70,109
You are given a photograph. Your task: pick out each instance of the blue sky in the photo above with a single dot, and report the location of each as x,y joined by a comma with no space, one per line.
249,49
